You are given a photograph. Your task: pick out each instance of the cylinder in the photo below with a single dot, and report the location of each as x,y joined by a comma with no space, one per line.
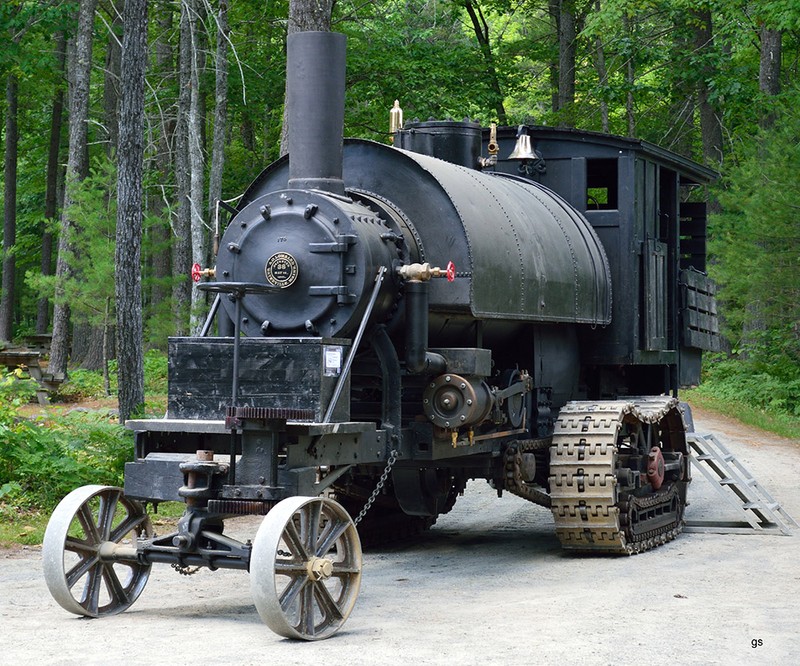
315,73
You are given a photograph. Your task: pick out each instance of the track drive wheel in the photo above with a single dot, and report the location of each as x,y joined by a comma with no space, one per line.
89,551
305,568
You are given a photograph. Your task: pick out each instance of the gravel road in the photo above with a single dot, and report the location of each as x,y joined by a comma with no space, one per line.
488,584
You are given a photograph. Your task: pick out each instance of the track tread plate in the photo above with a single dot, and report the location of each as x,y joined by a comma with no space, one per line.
583,484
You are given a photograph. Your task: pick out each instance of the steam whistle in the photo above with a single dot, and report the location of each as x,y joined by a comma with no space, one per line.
493,149
395,119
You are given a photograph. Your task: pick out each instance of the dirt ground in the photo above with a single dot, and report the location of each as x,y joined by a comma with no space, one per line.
488,584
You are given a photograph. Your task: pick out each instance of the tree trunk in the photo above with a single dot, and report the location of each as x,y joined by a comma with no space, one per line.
51,191
602,74
710,125
566,63
9,209
304,15
630,77
111,83
182,248
481,29
769,75
77,168
220,117
196,169
127,258
160,255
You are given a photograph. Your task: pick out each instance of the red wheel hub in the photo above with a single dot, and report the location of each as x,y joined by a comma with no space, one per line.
655,468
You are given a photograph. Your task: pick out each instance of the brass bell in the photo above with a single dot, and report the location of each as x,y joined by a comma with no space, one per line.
523,150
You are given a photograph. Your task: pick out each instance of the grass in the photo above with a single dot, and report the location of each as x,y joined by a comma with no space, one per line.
26,528
21,528
784,425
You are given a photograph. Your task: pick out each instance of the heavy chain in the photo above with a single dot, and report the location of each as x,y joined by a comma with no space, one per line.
183,570
381,482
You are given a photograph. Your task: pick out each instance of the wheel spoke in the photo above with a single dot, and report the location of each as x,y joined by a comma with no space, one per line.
307,610
334,530
91,592
86,518
294,541
115,589
79,546
290,568
74,575
105,516
309,525
289,594
131,523
330,609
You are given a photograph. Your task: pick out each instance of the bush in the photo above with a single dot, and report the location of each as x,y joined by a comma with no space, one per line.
43,460
765,378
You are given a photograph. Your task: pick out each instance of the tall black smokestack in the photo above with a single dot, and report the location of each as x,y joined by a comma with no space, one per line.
315,71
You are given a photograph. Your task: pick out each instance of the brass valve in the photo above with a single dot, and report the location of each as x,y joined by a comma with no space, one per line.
424,272
199,272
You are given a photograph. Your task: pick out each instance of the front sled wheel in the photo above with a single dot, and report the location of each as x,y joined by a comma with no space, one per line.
89,551
305,568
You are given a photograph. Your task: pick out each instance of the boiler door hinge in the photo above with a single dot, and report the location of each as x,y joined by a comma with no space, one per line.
341,244
343,296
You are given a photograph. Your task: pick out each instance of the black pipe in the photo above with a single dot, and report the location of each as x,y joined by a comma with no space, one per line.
315,71
418,359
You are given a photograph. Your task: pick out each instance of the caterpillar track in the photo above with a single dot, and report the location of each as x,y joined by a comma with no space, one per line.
593,444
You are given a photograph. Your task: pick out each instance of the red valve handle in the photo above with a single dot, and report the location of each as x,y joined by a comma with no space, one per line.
451,271
197,272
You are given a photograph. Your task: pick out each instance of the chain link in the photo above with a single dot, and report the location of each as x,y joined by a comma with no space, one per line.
381,482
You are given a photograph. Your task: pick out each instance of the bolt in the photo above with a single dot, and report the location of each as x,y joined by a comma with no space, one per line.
448,378
462,385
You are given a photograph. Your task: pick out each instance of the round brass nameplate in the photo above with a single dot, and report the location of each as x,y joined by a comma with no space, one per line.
281,270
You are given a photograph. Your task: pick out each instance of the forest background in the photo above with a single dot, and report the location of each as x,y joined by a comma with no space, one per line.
714,80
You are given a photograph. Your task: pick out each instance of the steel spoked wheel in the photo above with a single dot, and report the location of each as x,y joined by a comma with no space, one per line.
89,551
305,568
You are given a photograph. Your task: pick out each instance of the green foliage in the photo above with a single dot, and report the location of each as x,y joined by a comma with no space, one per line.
81,385
765,379
155,372
88,384
755,243
43,460
419,53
